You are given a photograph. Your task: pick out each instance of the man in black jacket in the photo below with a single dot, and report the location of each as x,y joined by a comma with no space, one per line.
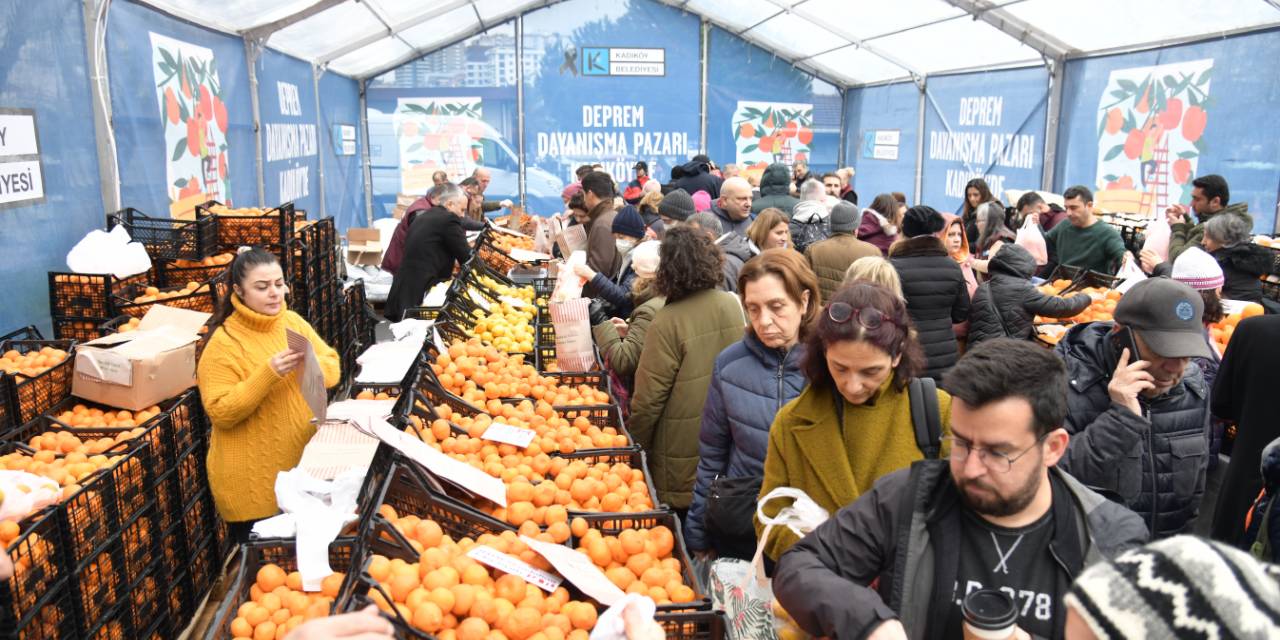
435,242
998,515
695,176
1139,407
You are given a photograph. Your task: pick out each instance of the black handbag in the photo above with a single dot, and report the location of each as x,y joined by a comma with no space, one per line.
731,507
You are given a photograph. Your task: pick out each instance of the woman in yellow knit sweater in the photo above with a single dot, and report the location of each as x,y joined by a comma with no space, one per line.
248,383
852,424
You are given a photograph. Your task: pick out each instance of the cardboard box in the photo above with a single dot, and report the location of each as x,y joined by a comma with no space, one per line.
364,247
144,367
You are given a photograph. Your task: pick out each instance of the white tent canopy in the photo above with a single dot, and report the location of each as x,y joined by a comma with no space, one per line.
849,43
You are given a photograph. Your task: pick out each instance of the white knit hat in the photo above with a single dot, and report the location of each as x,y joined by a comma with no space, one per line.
644,258
1198,270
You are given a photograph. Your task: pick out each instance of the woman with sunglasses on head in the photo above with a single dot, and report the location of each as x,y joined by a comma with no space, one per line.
853,423
751,382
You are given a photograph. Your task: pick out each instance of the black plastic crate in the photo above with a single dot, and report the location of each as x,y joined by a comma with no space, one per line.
93,516
272,226
140,538
39,563
168,238
158,430
191,478
52,617
88,295
173,274
1093,279
693,625
255,555
133,301
99,585
198,518
611,524
205,559
168,499
80,329
179,600
408,490
28,397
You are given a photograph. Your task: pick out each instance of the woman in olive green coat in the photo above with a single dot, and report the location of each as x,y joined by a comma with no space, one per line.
680,349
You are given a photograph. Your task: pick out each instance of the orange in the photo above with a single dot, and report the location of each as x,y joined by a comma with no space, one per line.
428,617
475,575
379,568
429,533
270,576
583,617
271,602
682,594
293,581
402,584
522,623
464,597
1252,309
331,584
472,629
510,588
559,532
257,615
620,576
443,597
265,631
639,563
241,628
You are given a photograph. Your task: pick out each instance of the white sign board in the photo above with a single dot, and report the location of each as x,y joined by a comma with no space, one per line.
21,177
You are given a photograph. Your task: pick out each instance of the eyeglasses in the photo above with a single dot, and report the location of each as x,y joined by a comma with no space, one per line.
869,317
992,460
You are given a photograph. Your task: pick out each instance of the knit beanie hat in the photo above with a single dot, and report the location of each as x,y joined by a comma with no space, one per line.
701,200
1180,587
677,205
845,217
1198,270
921,221
628,222
644,258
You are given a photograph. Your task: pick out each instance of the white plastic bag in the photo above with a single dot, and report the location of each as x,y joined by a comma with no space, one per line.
1159,233
1030,238
1130,274
25,493
111,252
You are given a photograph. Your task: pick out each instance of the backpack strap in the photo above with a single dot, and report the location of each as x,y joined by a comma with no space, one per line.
1261,547
991,302
925,416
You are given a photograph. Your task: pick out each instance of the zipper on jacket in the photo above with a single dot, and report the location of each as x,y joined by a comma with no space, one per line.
782,363
1151,460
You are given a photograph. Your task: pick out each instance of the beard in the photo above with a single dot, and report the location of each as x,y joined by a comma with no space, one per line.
987,500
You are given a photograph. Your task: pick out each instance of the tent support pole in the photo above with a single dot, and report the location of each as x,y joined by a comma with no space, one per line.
1057,68
704,32
520,105
843,155
920,82
95,19
316,72
364,155
252,50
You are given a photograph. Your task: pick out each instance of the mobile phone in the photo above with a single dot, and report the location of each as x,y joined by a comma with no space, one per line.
1122,339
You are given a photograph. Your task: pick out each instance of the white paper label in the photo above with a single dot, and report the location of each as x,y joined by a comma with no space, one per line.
435,337
508,434
578,569
461,473
479,299
515,302
515,566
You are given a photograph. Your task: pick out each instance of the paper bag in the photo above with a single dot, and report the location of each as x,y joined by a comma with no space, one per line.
310,377
574,349
1158,236
572,239
1030,238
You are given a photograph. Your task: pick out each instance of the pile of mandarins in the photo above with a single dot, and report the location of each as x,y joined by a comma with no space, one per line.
278,604
33,363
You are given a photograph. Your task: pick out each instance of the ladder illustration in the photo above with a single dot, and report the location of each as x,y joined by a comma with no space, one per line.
1157,192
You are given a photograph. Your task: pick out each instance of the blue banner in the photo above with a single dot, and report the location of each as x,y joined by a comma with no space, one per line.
880,139
452,111
290,135
607,82
986,125
762,110
48,113
1140,127
341,146
181,112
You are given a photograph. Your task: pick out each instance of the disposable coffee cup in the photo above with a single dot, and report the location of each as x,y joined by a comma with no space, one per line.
989,614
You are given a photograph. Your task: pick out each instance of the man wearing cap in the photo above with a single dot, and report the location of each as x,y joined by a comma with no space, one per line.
635,188
676,207
1138,407
830,258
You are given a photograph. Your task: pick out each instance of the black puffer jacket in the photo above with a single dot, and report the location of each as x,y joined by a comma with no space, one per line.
696,176
1153,463
775,191
1010,293
937,297
1242,266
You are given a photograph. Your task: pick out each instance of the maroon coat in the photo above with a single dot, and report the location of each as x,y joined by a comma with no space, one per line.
395,250
871,231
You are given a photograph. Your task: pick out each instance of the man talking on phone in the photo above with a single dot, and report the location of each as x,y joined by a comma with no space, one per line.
1138,408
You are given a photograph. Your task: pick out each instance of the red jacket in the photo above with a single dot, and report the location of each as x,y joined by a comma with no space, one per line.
395,251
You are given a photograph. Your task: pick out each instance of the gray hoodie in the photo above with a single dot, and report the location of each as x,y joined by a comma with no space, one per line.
737,251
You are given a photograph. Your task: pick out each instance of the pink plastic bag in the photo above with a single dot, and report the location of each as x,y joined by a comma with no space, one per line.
1030,238
1158,236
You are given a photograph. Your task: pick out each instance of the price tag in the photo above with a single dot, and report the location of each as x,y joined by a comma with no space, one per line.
479,299
515,302
578,569
510,564
435,337
465,475
508,434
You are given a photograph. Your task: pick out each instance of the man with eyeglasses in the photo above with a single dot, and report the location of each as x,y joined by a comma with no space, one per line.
997,515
